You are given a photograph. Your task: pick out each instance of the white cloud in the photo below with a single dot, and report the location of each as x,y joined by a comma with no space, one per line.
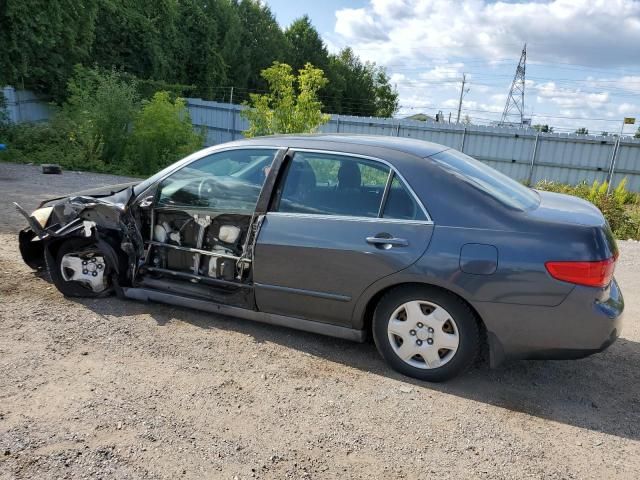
428,44
569,98
590,32
396,9
358,23
628,108
397,78
628,83
444,72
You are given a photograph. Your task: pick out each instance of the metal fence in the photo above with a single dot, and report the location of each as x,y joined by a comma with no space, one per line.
24,106
523,154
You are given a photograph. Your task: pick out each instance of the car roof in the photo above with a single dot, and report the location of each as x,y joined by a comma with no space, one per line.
419,148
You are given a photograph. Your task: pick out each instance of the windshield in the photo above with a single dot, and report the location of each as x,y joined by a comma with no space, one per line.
489,180
227,181
142,186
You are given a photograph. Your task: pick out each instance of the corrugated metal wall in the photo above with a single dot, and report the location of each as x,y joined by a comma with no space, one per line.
24,106
522,154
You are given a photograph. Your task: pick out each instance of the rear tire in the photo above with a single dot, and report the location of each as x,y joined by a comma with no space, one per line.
426,333
80,269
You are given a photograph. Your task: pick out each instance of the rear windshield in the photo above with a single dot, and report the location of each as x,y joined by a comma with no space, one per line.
496,184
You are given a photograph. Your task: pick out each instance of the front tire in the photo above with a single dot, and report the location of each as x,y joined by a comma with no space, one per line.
80,269
426,333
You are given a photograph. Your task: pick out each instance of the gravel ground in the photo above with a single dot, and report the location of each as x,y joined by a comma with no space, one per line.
119,389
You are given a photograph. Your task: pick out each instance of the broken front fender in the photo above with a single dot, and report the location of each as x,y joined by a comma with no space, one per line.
31,249
105,220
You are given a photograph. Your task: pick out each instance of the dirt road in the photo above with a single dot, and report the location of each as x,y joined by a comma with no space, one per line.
119,389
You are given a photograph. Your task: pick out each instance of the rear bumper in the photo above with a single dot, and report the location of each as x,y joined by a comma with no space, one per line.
588,321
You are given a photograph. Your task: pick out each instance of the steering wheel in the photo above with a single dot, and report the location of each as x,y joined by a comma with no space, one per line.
206,187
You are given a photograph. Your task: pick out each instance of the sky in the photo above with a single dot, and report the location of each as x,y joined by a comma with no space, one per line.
583,57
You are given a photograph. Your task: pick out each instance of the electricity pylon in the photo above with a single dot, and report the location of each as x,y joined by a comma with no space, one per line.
515,99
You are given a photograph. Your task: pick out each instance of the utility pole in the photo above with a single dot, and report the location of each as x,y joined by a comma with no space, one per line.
462,92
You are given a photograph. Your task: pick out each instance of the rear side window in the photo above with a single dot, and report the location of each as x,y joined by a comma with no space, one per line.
400,204
496,184
333,185
329,184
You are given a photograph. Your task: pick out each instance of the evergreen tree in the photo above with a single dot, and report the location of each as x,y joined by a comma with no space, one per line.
42,40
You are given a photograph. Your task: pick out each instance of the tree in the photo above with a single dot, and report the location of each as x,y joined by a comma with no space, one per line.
197,46
264,41
42,40
358,88
135,37
282,110
229,43
306,45
637,135
582,131
386,96
543,128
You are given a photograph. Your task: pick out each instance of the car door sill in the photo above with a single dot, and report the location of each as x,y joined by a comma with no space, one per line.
146,294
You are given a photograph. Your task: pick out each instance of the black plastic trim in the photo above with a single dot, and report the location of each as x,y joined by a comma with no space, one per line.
263,317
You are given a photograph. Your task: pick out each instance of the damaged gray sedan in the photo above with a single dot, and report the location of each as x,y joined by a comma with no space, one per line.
435,254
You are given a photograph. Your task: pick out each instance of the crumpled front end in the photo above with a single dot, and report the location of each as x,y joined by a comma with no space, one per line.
108,221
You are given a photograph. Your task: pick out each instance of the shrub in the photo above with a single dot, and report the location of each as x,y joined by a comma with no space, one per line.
620,207
89,132
98,113
102,127
631,227
162,133
45,143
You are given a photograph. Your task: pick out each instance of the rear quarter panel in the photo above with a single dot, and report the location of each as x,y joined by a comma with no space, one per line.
520,277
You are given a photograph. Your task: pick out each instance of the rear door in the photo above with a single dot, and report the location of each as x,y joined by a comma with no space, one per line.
337,223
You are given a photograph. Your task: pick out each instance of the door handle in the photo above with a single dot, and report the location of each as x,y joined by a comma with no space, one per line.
388,242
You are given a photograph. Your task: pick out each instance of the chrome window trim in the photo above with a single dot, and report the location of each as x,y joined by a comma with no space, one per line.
322,216
393,169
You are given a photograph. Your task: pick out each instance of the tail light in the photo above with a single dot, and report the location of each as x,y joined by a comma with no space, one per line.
591,274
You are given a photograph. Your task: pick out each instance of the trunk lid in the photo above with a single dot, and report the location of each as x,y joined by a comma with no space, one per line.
582,217
562,208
